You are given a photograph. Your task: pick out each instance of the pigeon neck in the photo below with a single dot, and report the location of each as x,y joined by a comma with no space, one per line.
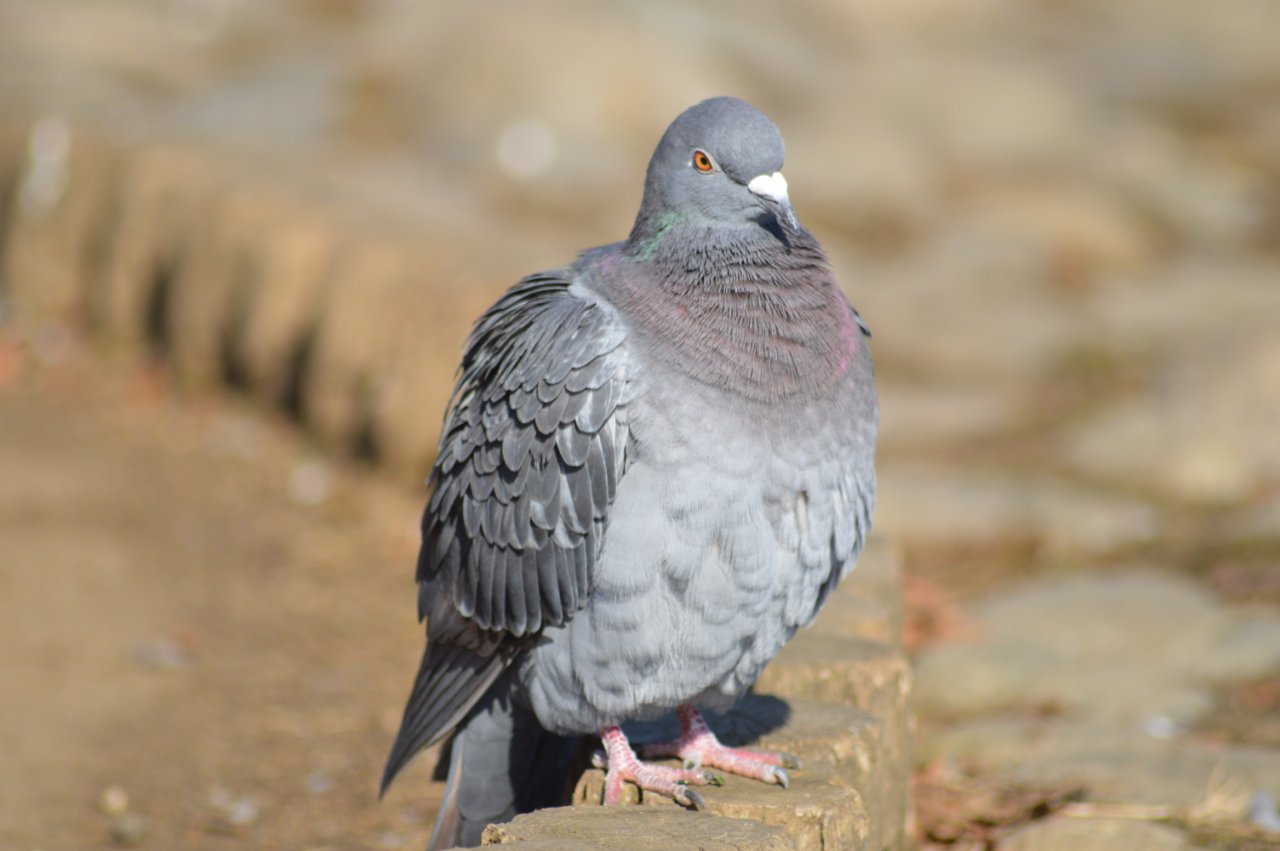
739,309
647,235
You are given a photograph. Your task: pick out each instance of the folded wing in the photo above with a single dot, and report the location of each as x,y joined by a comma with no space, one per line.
533,447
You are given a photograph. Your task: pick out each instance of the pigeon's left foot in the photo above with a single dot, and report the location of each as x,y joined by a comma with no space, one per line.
699,748
672,782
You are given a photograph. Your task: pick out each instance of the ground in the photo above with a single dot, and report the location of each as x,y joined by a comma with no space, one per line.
205,630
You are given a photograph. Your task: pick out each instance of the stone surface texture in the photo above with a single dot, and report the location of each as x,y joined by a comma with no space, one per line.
1096,835
1131,647
635,829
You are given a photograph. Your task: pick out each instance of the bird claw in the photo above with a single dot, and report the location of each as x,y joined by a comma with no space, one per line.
689,798
699,751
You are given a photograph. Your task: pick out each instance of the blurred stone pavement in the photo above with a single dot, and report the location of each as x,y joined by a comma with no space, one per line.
1060,218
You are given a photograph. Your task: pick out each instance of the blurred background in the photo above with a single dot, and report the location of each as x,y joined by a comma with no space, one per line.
241,244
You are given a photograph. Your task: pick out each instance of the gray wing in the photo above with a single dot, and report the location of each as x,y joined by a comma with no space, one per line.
530,458
529,462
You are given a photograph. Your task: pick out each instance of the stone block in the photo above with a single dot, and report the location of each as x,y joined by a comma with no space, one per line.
61,187
848,671
13,158
816,813
161,219
212,284
369,300
635,829
274,329
1200,432
451,277
824,666
1097,834
399,305
415,384
935,504
1131,646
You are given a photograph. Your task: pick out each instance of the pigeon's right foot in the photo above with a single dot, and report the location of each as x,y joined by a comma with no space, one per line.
623,765
699,747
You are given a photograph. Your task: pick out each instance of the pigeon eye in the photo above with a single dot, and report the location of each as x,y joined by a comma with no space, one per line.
702,162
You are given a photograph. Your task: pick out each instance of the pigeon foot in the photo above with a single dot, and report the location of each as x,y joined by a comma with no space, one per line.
624,766
699,748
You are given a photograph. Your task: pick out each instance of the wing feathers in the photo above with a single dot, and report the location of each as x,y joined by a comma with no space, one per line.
528,466
453,675
527,461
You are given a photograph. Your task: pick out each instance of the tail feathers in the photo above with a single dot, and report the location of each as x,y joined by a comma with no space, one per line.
501,763
450,681
447,832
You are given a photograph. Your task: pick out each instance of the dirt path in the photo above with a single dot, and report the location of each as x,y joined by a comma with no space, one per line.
178,621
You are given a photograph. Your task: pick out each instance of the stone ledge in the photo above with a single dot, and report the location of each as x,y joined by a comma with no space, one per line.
824,808
634,829
232,270
843,671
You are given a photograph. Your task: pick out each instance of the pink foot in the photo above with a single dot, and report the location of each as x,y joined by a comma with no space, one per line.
699,748
624,766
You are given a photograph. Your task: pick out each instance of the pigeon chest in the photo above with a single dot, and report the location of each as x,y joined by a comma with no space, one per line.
727,525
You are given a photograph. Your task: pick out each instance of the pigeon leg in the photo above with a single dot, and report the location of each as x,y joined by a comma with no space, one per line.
624,765
700,748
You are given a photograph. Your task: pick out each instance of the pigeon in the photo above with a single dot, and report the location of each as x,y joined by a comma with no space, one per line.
657,463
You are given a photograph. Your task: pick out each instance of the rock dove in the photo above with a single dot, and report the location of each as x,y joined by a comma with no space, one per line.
657,463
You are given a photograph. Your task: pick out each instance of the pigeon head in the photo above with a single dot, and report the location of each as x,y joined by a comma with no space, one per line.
718,165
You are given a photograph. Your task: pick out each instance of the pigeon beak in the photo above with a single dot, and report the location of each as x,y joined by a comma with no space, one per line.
771,191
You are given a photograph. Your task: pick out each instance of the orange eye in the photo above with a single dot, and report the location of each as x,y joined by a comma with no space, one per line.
702,162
